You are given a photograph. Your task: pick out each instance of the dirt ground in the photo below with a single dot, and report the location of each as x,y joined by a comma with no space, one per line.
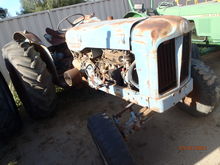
65,140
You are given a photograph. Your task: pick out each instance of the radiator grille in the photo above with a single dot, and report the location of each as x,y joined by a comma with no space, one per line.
166,66
185,56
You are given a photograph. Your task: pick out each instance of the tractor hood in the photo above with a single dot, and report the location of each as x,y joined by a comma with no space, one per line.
116,34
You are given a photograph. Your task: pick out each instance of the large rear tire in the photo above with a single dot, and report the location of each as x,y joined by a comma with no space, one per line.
109,140
30,78
10,121
206,92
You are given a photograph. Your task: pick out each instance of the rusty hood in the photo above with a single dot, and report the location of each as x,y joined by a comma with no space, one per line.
116,34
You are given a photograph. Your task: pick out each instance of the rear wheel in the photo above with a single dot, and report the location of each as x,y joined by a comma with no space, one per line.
206,92
109,140
30,78
10,121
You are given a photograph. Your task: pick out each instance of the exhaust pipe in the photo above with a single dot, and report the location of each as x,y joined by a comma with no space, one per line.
72,77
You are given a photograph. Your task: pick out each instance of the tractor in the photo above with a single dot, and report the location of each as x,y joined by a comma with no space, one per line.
145,61
204,17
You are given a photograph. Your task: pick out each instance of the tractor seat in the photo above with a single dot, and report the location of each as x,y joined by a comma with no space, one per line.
55,33
54,37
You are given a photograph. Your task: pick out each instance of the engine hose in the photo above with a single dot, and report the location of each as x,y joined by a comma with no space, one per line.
130,77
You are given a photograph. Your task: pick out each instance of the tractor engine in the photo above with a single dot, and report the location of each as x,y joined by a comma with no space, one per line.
145,60
106,66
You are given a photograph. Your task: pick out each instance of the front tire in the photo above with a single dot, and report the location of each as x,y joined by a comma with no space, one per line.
109,140
206,92
30,78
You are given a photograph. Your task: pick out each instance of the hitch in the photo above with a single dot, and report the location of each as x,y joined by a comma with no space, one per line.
134,121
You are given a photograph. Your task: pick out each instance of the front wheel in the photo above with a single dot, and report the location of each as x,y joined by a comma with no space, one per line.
109,140
206,92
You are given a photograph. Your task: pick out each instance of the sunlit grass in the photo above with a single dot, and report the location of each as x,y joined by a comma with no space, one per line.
15,95
17,99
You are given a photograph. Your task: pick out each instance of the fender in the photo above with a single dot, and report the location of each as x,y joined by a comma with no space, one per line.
45,54
134,14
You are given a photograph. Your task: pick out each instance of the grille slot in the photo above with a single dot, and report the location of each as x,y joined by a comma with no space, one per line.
185,57
166,66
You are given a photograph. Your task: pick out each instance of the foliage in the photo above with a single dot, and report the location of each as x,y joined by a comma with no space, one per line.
3,13
15,95
30,6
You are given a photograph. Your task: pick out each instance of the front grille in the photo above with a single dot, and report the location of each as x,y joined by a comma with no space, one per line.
166,60
185,57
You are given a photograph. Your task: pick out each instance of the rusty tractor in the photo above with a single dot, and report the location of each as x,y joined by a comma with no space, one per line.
145,61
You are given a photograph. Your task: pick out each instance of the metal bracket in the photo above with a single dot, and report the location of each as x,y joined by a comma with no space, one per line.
135,121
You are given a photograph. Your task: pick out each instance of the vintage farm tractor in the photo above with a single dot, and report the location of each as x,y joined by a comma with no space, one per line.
145,61
204,17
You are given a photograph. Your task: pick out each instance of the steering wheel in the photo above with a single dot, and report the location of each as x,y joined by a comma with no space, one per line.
71,23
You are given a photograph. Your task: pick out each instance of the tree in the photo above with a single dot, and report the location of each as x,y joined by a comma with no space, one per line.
3,13
58,3
30,6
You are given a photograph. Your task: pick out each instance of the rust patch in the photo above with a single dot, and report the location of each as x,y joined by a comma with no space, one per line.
145,111
74,45
140,42
172,18
158,28
123,22
187,101
22,35
154,52
86,18
72,77
120,31
110,18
